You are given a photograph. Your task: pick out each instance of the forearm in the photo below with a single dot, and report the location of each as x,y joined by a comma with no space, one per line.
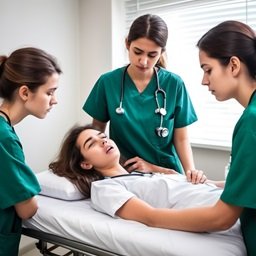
204,219
196,220
218,183
220,216
160,169
99,125
137,163
183,149
185,154
27,208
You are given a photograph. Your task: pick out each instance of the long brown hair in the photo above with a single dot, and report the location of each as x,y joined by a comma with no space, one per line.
68,162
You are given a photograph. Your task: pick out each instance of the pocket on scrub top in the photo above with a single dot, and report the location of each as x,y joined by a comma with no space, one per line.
9,244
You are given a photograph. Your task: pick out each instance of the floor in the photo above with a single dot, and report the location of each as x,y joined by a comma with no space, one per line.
35,252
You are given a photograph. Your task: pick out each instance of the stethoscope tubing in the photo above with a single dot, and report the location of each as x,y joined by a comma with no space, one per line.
161,131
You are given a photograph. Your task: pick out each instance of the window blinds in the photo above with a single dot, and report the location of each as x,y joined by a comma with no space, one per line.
187,21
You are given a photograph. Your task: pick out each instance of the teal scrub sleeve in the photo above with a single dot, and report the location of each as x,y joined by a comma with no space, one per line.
240,183
18,182
184,111
96,103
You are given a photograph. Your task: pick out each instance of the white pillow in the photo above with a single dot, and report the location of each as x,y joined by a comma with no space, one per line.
55,186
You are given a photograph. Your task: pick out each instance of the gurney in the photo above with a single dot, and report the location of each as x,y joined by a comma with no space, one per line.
72,223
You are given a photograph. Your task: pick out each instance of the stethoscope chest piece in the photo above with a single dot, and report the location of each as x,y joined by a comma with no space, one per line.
120,110
162,132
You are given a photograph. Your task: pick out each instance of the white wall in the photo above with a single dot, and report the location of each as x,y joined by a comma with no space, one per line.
211,161
95,36
52,26
102,43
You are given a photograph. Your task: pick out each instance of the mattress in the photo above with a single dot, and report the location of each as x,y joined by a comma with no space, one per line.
77,221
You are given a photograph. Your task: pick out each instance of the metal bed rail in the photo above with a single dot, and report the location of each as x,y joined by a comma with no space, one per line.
48,243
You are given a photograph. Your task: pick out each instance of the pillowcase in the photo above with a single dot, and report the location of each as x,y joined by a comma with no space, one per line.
55,186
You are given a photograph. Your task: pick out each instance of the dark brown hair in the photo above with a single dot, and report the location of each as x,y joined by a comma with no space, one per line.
26,66
231,38
153,28
68,162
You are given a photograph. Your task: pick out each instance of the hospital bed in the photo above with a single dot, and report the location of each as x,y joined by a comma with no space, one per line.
67,220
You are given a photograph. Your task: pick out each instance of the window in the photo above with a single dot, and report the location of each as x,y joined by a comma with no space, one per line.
187,21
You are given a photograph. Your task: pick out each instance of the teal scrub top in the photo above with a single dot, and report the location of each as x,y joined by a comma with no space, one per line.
240,188
17,183
134,131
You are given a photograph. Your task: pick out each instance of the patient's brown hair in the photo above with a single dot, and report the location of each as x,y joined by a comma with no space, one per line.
68,162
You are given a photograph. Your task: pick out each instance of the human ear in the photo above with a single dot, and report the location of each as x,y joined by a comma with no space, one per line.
86,166
127,44
23,92
235,65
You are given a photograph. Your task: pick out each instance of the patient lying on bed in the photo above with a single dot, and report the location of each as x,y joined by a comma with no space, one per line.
90,160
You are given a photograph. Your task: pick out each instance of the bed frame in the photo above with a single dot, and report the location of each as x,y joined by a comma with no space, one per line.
93,233
47,243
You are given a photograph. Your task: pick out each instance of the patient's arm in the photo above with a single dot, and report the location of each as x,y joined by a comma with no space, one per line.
220,216
99,125
218,183
26,209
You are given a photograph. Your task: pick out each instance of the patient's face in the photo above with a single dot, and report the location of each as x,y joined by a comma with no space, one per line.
97,149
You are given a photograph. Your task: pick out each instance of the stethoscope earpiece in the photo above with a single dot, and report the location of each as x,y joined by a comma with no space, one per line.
160,131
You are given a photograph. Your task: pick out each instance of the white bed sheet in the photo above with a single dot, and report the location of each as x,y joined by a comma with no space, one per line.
76,220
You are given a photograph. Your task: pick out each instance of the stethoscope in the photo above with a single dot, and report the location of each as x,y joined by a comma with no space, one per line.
134,173
160,131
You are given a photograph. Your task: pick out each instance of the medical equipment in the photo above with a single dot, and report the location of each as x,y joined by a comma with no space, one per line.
135,173
89,232
160,131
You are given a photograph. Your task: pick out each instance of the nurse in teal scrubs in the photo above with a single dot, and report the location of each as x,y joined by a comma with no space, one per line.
148,107
28,80
227,55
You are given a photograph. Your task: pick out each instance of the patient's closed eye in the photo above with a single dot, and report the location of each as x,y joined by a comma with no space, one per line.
92,140
91,144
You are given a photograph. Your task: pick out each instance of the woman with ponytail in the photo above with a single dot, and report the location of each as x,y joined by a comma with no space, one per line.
148,106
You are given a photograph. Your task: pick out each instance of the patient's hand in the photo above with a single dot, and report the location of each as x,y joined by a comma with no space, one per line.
137,163
196,176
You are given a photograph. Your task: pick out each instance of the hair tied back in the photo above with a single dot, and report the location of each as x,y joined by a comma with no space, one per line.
3,59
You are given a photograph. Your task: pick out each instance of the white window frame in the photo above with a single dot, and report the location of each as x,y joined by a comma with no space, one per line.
187,21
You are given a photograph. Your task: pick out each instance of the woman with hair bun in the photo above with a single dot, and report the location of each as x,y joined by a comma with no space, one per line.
28,80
